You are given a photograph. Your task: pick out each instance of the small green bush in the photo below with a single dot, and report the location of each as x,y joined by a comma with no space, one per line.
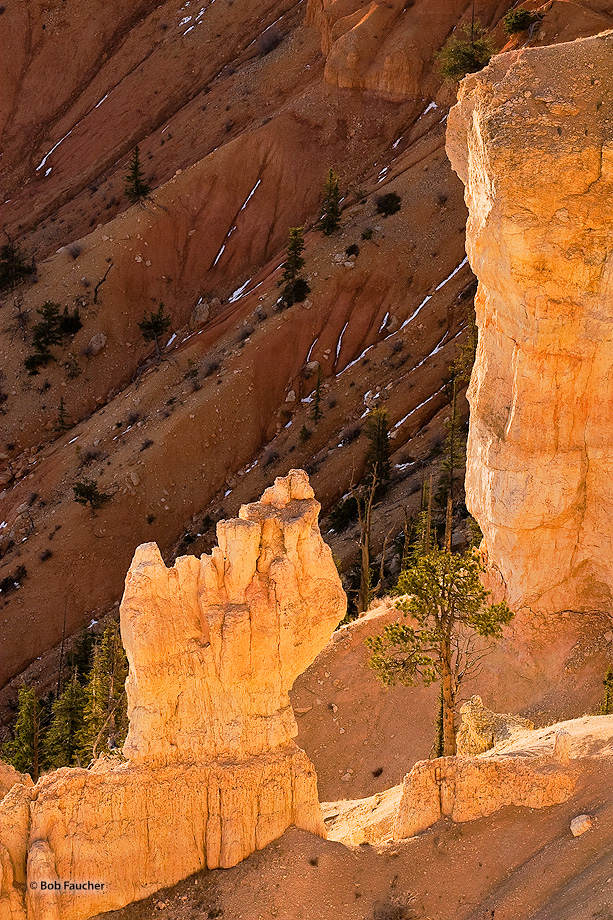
295,291
460,56
38,359
388,204
13,265
518,21
86,492
52,329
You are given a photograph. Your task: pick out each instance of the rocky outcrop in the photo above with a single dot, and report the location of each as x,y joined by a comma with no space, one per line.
539,239
10,777
360,821
385,47
211,771
481,728
463,789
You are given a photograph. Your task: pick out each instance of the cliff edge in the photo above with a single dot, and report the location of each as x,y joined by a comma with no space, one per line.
531,138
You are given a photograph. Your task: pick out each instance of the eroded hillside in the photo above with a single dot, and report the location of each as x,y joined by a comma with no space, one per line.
238,113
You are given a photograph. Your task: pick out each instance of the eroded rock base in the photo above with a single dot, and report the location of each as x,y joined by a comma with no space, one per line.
464,789
146,829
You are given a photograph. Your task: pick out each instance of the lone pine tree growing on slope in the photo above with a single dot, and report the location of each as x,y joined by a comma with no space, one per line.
153,326
331,210
136,188
446,609
86,492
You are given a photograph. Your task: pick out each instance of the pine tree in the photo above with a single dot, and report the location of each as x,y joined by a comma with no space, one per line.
105,721
80,655
446,604
52,329
425,536
376,429
439,743
136,188
295,288
116,665
94,710
154,326
463,365
455,453
86,492
60,741
24,752
331,211
460,56
62,423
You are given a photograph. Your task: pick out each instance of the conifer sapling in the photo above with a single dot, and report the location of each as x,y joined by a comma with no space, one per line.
135,187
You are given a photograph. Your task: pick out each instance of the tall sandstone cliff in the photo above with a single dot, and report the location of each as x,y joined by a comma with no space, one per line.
532,139
211,771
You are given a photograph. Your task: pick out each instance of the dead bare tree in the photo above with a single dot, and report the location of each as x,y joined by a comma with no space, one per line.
101,282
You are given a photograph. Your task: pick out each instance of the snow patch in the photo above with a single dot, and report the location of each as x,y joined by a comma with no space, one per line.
438,288
239,291
46,157
340,341
413,411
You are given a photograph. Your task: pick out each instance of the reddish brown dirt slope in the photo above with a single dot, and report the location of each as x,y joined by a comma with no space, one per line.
214,116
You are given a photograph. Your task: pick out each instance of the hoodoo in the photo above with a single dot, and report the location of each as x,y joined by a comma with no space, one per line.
211,772
531,139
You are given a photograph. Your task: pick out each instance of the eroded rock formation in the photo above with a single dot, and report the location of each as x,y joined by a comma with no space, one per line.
211,771
531,139
382,46
466,788
481,728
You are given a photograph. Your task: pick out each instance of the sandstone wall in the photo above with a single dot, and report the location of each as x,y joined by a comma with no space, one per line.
531,138
211,772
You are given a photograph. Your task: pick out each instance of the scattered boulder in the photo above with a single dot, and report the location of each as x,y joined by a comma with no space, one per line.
96,344
200,314
580,825
481,728
562,746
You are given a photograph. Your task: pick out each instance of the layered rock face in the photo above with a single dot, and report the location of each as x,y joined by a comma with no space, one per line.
531,139
211,772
